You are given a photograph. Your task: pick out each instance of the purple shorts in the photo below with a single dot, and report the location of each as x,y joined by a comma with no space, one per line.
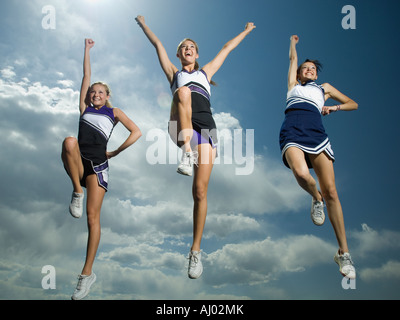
197,137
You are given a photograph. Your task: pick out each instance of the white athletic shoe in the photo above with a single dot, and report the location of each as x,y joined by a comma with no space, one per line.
195,266
76,205
83,286
187,162
317,212
345,263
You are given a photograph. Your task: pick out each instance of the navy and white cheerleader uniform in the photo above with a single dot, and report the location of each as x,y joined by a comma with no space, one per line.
95,128
302,127
204,128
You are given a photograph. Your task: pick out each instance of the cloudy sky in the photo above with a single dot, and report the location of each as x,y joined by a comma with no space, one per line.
259,241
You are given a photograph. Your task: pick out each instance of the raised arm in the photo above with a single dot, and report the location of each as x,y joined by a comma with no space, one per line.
292,76
166,64
89,43
212,67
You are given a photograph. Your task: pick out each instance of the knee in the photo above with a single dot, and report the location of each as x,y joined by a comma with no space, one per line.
183,94
199,193
70,144
93,218
301,174
329,193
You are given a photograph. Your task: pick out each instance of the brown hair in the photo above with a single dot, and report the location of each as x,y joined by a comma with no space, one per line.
196,65
108,91
317,64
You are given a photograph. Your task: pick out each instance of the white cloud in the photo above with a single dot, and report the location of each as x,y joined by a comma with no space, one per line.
17,138
38,98
388,271
66,83
225,120
8,73
257,262
370,240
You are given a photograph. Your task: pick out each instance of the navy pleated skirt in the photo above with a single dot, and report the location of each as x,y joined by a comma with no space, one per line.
304,129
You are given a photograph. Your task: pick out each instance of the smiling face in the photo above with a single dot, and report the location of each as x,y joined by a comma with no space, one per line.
307,71
187,52
98,95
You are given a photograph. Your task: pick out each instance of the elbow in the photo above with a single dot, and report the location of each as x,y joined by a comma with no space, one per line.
351,105
135,135
228,47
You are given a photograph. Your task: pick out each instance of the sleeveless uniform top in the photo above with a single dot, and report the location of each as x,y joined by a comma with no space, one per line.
305,97
302,127
199,85
95,129
196,81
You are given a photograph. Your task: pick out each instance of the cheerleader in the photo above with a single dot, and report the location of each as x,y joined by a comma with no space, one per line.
86,161
192,126
304,145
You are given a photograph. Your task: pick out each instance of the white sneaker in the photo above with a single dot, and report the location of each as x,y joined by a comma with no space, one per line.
187,162
83,286
345,263
76,205
195,266
317,212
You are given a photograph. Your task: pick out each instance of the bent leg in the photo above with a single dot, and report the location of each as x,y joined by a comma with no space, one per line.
72,160
323,167
95,196
297,162
201,179
182,106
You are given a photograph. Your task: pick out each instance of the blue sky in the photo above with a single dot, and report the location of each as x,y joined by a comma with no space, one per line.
259,241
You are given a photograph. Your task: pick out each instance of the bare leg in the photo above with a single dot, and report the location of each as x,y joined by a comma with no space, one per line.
182,105
71,158
95,196
200,187
297,162
323,167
